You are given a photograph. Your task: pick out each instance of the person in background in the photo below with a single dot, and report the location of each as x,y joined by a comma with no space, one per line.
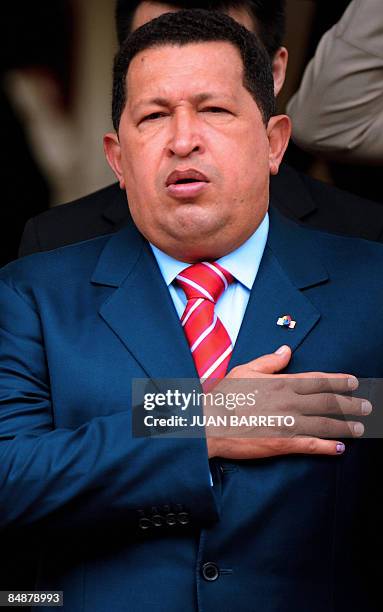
338,108
337,111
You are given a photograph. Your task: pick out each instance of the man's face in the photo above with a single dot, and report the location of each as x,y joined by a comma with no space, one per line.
147,10
193,152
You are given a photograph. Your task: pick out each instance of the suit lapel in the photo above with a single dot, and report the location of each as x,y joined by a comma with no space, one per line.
140,311
289,265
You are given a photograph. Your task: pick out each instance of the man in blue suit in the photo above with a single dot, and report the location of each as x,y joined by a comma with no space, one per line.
130,523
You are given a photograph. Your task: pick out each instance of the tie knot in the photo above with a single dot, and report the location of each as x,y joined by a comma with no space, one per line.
204,280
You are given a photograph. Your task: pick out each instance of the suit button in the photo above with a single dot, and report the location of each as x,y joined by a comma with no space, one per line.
157,520
145,523
210,571
171,519
183,518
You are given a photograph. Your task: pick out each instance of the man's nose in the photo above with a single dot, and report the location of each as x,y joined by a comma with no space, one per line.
185,134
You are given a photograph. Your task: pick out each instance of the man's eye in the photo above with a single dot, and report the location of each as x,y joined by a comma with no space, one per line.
214,109
153,116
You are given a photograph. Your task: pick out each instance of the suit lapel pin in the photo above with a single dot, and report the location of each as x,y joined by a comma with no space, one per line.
286,321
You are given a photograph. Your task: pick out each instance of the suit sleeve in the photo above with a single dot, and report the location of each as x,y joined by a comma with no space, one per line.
338,110
96,473
29,240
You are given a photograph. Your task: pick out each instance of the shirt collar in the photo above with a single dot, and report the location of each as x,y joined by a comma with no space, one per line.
243,263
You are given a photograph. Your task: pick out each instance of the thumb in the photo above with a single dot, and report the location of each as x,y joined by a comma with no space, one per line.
274,362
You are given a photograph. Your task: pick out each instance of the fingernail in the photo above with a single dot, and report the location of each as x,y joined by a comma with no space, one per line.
282,349
353,383
358,429
366,407
340,448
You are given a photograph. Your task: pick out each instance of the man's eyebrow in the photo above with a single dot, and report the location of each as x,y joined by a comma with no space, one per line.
197,98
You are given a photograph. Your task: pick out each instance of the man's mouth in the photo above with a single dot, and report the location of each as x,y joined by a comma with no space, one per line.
187,183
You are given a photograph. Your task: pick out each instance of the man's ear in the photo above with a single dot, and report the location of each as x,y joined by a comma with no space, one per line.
278,131
279,68
112,150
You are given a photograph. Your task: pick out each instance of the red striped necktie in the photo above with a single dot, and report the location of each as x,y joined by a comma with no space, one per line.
210,344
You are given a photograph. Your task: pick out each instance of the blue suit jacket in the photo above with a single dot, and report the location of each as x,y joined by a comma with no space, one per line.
76,325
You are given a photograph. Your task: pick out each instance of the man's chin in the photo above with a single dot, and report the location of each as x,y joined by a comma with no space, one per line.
192,244
195,233
195,219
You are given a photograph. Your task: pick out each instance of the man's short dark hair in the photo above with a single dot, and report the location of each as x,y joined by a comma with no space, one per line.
197,26
269,16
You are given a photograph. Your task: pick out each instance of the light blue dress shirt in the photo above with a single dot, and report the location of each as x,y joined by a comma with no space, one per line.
243,264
